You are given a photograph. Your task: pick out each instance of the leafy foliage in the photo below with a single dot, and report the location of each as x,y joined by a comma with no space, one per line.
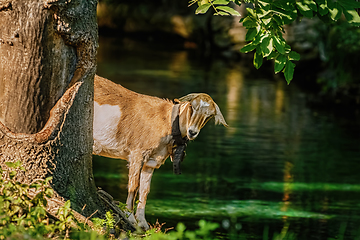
218,5
19,213
105,226
25,217
265,22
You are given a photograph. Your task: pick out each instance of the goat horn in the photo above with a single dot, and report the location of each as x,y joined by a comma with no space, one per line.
189,97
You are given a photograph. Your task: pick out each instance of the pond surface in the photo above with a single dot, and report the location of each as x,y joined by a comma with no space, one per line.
280,166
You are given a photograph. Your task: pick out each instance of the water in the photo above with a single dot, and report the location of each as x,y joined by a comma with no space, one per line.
280,166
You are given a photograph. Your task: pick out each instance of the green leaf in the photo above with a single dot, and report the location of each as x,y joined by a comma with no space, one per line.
349,4
258,58
280,62
280,4
260,13
287,48
278,20
229,10
249,22
277,28
12,174
336,12
202,2
49,192
289,71
264,4
35,185
248,48
294,56
323,9
273,55
266,46
279,44
11,164
330,3
221,2
266,21
251,12
304,9
251,33
67,204
352,16
287,16
311,4
203,8
180,227
47,180
221,13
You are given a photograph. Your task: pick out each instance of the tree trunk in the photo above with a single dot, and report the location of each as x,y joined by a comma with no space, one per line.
47,66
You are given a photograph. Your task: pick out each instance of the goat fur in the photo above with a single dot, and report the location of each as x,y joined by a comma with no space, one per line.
137,128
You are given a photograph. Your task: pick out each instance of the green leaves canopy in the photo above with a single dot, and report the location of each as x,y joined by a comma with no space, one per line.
218,6
265,24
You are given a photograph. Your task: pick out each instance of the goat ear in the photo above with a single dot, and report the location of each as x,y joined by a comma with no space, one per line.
219,119
189,97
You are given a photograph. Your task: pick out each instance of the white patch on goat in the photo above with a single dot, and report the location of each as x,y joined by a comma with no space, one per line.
106,120
204,104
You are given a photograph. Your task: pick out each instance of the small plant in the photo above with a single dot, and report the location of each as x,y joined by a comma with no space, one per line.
25,217
18,212
107,224
123,206
66,219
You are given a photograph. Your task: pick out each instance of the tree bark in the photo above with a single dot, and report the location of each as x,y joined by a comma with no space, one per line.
47,66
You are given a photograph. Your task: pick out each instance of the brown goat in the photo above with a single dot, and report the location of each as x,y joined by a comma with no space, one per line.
138,128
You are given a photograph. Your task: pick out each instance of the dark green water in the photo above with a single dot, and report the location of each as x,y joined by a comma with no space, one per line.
280,166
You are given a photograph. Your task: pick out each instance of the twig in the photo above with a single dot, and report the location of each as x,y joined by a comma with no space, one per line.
90,216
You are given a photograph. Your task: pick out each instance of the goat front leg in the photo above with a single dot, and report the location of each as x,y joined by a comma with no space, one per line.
133,186
145,180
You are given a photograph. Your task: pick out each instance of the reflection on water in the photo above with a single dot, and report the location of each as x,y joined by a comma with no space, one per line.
280,166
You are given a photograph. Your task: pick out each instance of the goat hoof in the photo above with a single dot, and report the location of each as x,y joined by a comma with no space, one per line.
143,225
140,216
132,219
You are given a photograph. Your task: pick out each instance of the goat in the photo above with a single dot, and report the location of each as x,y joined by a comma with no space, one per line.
138,128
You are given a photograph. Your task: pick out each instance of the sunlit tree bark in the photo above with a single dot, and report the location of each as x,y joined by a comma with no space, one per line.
47,65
